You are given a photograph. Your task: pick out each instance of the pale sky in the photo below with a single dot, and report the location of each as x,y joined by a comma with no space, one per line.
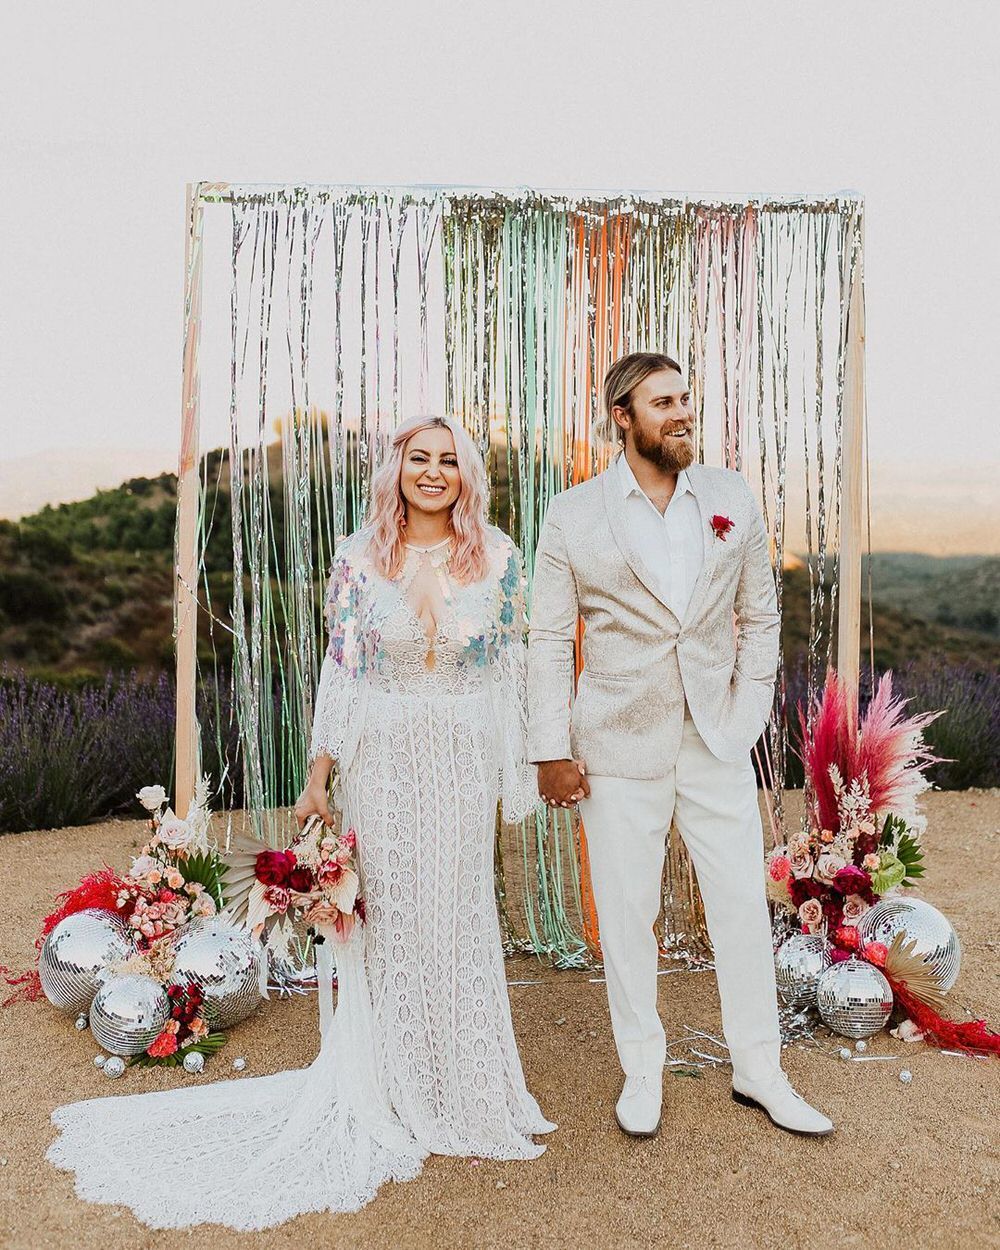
106,111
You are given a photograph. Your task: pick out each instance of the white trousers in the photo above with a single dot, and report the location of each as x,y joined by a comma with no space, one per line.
626,823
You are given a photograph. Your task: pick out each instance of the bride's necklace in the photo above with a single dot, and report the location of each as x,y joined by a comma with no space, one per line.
432,547
437,563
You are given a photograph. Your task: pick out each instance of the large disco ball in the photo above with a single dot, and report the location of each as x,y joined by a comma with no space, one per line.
798,965
936,940
77,950
854,998
128,1014
226,961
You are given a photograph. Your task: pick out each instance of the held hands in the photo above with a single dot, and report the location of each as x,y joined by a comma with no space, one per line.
313,802
562,783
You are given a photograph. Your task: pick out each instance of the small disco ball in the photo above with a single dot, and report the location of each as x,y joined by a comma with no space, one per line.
128,1014
798,965
936,940
854,998
225,961
194,1062
114,1067
75,952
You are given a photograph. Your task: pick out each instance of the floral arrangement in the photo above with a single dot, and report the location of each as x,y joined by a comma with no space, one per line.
315,880
860,838
175,878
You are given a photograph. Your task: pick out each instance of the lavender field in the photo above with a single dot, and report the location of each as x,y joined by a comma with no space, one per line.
68,756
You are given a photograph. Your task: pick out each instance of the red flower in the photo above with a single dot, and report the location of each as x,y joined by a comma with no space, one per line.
165,1044
360,910
274,867
805,887
876,953
848,937
301,880
851,880
721,525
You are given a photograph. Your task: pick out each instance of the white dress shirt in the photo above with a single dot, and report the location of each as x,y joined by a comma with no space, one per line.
671,544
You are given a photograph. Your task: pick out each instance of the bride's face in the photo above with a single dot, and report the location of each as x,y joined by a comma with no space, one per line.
430,479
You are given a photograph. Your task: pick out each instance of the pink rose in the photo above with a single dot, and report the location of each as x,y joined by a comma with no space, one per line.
801,863
811,913
870,863
854,908
828,865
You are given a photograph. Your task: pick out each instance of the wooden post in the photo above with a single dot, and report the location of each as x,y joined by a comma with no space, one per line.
187,737
852,542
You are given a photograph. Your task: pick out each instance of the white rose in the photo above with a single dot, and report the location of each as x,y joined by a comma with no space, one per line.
174,832
152,797
142,865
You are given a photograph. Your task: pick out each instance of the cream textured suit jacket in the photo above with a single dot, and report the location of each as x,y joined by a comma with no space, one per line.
640,661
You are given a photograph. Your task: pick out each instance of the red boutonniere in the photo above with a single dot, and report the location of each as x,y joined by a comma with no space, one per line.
721,525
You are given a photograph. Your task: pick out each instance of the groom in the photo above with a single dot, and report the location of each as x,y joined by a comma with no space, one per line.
667,563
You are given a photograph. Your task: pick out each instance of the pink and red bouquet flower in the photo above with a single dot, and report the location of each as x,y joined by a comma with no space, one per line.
315,879
860,839
186,1026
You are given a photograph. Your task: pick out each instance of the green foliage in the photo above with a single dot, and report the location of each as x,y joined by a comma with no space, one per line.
208,870
207,1047
902,856
27,595
911,857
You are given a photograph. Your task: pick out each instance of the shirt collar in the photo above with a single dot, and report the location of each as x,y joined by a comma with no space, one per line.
630,485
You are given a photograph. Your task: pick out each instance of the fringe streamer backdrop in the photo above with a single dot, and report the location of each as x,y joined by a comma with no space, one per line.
350,309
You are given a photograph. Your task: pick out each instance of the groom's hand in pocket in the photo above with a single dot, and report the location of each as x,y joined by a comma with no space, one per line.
562,783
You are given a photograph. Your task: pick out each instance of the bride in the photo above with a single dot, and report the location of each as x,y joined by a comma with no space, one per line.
421,702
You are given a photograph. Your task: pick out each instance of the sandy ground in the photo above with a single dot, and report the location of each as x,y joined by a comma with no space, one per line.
913,1165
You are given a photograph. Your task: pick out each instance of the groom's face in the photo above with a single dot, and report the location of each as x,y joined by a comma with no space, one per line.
661,423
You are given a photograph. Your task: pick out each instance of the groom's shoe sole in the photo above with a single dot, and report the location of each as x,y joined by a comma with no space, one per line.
629,1132
744,1101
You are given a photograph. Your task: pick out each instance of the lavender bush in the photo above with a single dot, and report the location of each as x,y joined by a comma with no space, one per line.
68,756
72,755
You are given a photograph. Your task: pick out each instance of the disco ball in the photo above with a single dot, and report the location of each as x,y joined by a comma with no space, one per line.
75,952
797,967
936,940
854,998
128,1014
225,961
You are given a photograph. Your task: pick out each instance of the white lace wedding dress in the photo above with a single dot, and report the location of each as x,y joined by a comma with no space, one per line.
419,1057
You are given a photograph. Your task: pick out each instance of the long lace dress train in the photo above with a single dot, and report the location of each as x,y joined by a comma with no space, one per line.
420,1055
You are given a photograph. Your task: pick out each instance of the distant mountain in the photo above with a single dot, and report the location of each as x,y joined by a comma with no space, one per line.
961,591
87,586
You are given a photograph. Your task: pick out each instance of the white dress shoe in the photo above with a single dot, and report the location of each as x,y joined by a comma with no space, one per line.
638,1110
778,1100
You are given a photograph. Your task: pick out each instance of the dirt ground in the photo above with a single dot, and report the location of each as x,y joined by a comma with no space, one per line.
915,1165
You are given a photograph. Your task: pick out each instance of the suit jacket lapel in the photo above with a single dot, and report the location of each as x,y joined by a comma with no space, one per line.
614,503
707,507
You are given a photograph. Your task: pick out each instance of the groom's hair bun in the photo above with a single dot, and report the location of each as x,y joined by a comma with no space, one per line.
619,383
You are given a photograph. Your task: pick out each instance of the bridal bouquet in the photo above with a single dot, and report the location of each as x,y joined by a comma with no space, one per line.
315,880
860,839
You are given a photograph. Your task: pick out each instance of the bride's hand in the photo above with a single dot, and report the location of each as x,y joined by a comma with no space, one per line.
313,801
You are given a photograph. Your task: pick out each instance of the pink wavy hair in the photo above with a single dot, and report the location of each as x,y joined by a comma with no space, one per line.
387,508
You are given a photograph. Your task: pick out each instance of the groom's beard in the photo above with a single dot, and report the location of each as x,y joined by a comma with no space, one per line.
665,451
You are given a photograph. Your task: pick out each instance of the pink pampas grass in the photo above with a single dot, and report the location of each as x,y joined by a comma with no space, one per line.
886,753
